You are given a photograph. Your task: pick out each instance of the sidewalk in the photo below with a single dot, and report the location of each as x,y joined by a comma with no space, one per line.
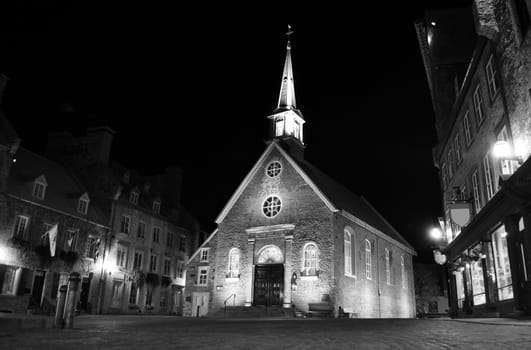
10,321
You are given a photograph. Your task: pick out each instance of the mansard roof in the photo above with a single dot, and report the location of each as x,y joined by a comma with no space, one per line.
63,190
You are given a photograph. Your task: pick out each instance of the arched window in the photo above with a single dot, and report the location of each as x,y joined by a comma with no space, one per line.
347,251
403,272
368,260
234,263
387,266
310,266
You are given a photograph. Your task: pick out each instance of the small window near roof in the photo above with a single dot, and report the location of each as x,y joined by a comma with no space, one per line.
39,187
83,203
156,207
134,197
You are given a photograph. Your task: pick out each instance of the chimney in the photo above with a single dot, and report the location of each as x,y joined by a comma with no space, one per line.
174,179
3,83
99,142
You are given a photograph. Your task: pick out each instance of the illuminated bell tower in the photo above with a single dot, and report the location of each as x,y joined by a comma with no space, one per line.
286,120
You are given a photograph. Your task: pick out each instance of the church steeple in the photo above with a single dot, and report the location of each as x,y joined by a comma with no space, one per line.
286,120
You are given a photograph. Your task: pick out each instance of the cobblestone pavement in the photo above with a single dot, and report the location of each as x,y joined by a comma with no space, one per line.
166,332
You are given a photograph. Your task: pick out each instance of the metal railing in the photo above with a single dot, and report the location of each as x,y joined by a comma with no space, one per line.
233,296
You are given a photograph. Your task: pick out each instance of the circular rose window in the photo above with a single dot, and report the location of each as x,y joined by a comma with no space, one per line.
271,206
273,169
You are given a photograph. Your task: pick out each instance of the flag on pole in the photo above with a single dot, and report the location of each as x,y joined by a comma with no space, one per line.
52,235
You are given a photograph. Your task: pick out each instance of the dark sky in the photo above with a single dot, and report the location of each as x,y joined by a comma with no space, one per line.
192,86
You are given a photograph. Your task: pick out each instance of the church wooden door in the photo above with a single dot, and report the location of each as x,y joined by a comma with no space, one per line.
268,284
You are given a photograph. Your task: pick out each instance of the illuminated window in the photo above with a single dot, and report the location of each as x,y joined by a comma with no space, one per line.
502,264
274,169
21,226
310,260
234,263
388,266
83,203
460,289
125,224
466,127
475,191
507,166
279,126
478,105
368,260
271,206
202,276
487,169
134,197
347,247
490,70
478,284
39,187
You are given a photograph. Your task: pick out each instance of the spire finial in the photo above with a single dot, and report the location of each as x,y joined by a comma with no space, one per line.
288,33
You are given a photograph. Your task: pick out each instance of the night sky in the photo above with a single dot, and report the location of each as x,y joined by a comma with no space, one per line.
192,87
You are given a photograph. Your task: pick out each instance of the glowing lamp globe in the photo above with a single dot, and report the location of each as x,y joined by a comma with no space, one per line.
501,149
436,233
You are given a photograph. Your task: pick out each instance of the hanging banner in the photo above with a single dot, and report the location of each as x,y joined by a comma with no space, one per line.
460,213
52,235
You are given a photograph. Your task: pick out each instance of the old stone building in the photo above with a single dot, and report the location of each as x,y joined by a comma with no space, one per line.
480,84
152,233
292,237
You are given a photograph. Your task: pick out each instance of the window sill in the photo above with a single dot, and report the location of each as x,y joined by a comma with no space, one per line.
350,275
309,278
232,279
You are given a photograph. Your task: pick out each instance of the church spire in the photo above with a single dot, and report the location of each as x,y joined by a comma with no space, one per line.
286,98
286,120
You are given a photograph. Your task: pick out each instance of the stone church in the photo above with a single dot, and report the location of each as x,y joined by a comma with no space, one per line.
292,237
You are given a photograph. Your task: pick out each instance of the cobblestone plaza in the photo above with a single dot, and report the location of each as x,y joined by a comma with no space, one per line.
163,332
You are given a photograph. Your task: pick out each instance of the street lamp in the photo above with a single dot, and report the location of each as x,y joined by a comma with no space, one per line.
436,234
503,150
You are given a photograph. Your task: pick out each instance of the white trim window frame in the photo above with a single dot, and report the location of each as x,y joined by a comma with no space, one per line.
125,224
141,229
166,271
368,259
39,188
403,272
466,127
475,191
457,150
487,168
478,105
153,262
121,256
20,228
138,261
133,198
310,254
234,264
490,72
204,255
347,249
202,276
82,205
156,234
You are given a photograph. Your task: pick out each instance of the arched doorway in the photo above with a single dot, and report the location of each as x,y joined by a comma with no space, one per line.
269,277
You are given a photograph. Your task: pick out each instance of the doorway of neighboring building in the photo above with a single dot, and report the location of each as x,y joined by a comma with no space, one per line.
36,291
84,294
200,303
268,284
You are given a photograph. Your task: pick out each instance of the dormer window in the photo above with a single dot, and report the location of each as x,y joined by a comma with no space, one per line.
83,203
156,207
134,197
39,187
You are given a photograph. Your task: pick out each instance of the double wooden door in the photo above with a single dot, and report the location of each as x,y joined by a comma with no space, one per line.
268,284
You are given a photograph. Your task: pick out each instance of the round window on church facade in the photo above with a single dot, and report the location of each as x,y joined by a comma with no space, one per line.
271,206
273,169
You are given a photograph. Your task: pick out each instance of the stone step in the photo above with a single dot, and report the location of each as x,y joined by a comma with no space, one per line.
253,312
